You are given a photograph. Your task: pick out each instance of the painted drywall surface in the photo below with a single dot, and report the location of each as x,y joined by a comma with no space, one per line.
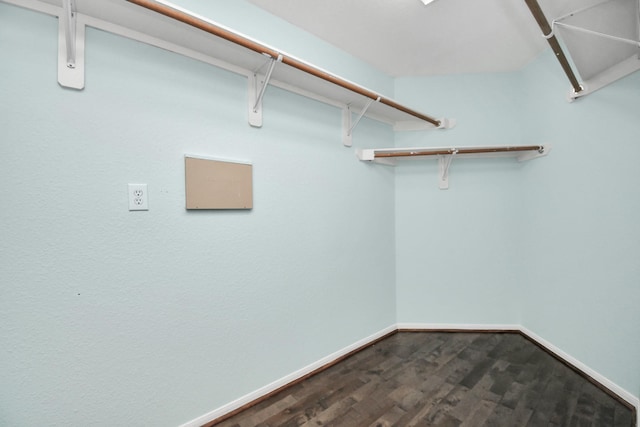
551,244
457,250
111,317
253,22
581,223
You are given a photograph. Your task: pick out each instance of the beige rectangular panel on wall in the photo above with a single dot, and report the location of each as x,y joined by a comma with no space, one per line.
217,184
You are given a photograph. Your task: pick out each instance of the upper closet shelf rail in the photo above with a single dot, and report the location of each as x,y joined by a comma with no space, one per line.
166,26
367,102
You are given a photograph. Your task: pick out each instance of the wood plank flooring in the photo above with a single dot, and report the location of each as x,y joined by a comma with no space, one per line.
442,379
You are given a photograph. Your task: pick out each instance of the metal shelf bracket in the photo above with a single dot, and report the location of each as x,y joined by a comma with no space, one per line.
257,88
71,35
348,126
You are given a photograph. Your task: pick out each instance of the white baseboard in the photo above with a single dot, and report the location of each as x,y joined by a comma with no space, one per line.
248,398
458,327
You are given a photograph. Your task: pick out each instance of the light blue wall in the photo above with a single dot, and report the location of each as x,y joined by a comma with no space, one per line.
114,318
456,250
581,288
552,244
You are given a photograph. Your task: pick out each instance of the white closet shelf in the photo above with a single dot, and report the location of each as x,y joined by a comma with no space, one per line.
167,26
602,41
390,156
296,75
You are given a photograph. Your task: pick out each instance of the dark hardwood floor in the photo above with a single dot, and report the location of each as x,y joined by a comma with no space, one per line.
442,379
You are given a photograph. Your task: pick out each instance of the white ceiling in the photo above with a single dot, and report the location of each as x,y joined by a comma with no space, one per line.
407,38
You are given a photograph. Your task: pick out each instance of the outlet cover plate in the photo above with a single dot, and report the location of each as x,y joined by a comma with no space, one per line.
138,197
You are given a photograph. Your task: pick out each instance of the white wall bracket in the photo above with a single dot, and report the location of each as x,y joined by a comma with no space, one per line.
257,88
444,162
348,125
71,36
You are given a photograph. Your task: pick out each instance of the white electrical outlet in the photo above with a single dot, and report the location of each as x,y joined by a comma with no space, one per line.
138,197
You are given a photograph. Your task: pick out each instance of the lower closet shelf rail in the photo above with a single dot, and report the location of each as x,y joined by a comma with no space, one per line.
445,155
